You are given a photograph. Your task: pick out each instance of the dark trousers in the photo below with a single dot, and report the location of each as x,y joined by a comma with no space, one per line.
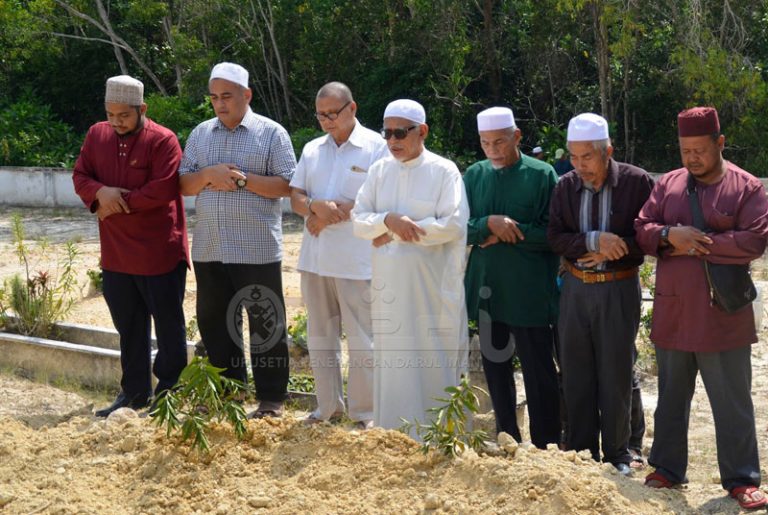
727,378
535,348
135,300
597,328
223,290
636,416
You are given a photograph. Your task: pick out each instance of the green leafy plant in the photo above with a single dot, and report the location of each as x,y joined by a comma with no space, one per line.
32,304
447,432
192,328
202,396
303,383
297,330
96,278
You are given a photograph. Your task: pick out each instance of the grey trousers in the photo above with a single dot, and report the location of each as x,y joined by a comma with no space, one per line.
597,328
330,302
727,379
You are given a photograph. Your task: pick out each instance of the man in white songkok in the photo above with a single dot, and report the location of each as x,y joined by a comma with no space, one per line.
414,208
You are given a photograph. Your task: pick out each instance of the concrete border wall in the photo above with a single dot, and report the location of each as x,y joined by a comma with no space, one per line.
52,187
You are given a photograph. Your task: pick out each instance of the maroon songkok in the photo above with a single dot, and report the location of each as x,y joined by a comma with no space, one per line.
698,121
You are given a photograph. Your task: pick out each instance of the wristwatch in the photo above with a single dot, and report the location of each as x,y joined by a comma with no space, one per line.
241,183
665,235
308,203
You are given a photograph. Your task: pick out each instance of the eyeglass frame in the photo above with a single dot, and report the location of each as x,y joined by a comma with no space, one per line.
332,116
388,133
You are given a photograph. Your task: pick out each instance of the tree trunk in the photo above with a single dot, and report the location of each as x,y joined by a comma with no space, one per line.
603,58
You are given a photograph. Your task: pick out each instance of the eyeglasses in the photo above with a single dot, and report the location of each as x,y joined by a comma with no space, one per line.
399,133
333,115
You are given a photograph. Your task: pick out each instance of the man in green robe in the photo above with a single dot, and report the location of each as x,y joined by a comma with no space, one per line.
511,275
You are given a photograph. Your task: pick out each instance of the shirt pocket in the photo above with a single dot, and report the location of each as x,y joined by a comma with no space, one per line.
136,175
252,162
353,181
720,222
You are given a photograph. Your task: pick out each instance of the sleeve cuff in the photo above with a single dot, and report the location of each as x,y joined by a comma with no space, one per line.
593,241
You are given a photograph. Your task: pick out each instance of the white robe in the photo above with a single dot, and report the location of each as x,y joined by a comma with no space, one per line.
417,290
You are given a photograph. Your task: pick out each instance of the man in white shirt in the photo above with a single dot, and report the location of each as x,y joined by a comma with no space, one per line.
335,266
414,208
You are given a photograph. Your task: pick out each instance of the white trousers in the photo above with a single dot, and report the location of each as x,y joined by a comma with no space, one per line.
331,303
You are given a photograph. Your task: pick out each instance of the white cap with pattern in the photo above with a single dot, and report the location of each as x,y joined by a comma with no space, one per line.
124,89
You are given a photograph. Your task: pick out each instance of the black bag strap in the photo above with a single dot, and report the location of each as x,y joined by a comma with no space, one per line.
693,200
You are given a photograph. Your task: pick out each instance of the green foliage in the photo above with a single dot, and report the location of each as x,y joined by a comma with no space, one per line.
646,353
180,114
303,383
31,135
201,397
96,278
302,136
447,431
192,328
297,330
33,303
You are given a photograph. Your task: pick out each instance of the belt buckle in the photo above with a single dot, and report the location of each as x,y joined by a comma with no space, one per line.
592,277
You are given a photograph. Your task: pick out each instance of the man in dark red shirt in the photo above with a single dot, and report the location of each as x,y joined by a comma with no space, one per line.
127,174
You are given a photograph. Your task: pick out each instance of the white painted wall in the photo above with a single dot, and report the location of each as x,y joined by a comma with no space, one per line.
52,187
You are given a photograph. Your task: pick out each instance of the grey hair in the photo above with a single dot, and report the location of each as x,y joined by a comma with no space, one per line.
337,90
600,145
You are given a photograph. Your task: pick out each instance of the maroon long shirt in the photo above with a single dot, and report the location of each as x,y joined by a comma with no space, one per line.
152,238
736,210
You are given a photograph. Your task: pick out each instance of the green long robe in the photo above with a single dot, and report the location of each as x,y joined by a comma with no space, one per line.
514,283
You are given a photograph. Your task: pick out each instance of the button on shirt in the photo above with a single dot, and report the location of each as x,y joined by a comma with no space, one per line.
239,226
335,172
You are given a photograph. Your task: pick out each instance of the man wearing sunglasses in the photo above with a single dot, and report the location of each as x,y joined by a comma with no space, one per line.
511,275
414,209
335,266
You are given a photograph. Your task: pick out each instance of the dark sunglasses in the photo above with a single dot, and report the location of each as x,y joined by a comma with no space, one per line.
399,133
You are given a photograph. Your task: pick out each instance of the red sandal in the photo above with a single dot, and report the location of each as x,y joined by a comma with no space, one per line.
661,481
744,495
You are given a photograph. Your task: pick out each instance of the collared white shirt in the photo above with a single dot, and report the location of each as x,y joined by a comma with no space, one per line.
327,171
239,226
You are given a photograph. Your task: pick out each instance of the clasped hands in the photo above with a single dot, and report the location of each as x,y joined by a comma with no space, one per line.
327,212
111,201
402,226
503,229
686,240
612,247
223,177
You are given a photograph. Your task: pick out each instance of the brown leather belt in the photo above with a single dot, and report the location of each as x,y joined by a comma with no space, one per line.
595,276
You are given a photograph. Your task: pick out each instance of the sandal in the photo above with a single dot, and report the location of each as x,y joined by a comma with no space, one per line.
658,480
745,496
638,462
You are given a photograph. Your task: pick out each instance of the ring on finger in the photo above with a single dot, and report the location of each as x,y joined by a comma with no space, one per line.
691,251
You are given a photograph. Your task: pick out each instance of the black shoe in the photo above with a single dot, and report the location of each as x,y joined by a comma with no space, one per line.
623,469
122,401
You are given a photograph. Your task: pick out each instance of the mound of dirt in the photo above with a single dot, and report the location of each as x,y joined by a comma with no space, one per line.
126,465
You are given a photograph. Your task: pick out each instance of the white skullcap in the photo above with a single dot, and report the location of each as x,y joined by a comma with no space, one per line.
495,118
231,72
537,150
408,109
588,127
124,89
